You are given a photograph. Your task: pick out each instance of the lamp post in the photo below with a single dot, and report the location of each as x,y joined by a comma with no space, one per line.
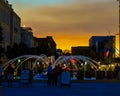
119,27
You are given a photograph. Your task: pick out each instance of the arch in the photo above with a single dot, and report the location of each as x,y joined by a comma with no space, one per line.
43,58
78,58
23,59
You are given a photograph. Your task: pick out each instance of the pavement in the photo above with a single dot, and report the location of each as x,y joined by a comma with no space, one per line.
83,88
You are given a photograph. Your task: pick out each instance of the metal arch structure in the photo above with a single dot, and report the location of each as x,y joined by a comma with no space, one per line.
39,58
44,58
25,58
4,66
78,58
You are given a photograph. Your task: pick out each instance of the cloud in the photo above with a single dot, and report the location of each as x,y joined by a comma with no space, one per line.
93,17
72,19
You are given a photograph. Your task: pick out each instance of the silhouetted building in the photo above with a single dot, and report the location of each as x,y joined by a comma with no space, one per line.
27,36
14,34
104,47
117,45
46,46
83,50
10,23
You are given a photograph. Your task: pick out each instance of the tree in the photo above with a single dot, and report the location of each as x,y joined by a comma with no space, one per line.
17,50
66,52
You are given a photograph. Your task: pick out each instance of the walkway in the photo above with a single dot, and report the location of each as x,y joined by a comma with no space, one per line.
77,89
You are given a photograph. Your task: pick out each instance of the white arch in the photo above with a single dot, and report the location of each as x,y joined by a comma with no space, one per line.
64,59
11,62
39,58
23,59
60,60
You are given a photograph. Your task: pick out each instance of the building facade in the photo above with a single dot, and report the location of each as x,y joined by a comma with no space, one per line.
117,44
104,47
27,36
46,46
10,23
83,50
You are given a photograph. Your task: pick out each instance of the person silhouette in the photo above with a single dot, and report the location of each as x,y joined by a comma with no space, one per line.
10,74
49,74
117,69
55,76
0,76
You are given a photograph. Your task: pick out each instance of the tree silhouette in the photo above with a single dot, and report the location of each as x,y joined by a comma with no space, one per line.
66,52
17,50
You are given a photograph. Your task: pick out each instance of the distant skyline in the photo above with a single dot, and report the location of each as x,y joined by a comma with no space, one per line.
70,22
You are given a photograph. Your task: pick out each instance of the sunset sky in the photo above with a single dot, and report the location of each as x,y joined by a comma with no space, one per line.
70,22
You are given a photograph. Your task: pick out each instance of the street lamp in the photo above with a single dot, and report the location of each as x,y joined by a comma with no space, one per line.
119,27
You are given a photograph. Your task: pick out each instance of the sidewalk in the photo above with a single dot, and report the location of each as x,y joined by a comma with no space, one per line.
77,89
1,90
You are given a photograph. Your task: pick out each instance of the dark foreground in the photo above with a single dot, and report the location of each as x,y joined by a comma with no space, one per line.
77,89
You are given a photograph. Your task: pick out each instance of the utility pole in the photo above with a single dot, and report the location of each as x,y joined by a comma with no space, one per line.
119,27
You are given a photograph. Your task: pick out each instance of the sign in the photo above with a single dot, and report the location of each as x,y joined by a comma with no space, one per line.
25,76
65,78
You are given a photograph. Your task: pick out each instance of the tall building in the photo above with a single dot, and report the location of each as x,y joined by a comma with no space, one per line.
13,33
10,23
117,45
27,36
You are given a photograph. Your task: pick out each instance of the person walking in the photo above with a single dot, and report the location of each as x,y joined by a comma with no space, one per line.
117,69
59,72
10,74
0,76
49,74
55,76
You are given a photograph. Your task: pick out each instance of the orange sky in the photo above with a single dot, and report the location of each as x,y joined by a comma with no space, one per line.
70,22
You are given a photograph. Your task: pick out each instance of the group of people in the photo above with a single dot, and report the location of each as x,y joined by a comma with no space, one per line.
9,75
53,74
